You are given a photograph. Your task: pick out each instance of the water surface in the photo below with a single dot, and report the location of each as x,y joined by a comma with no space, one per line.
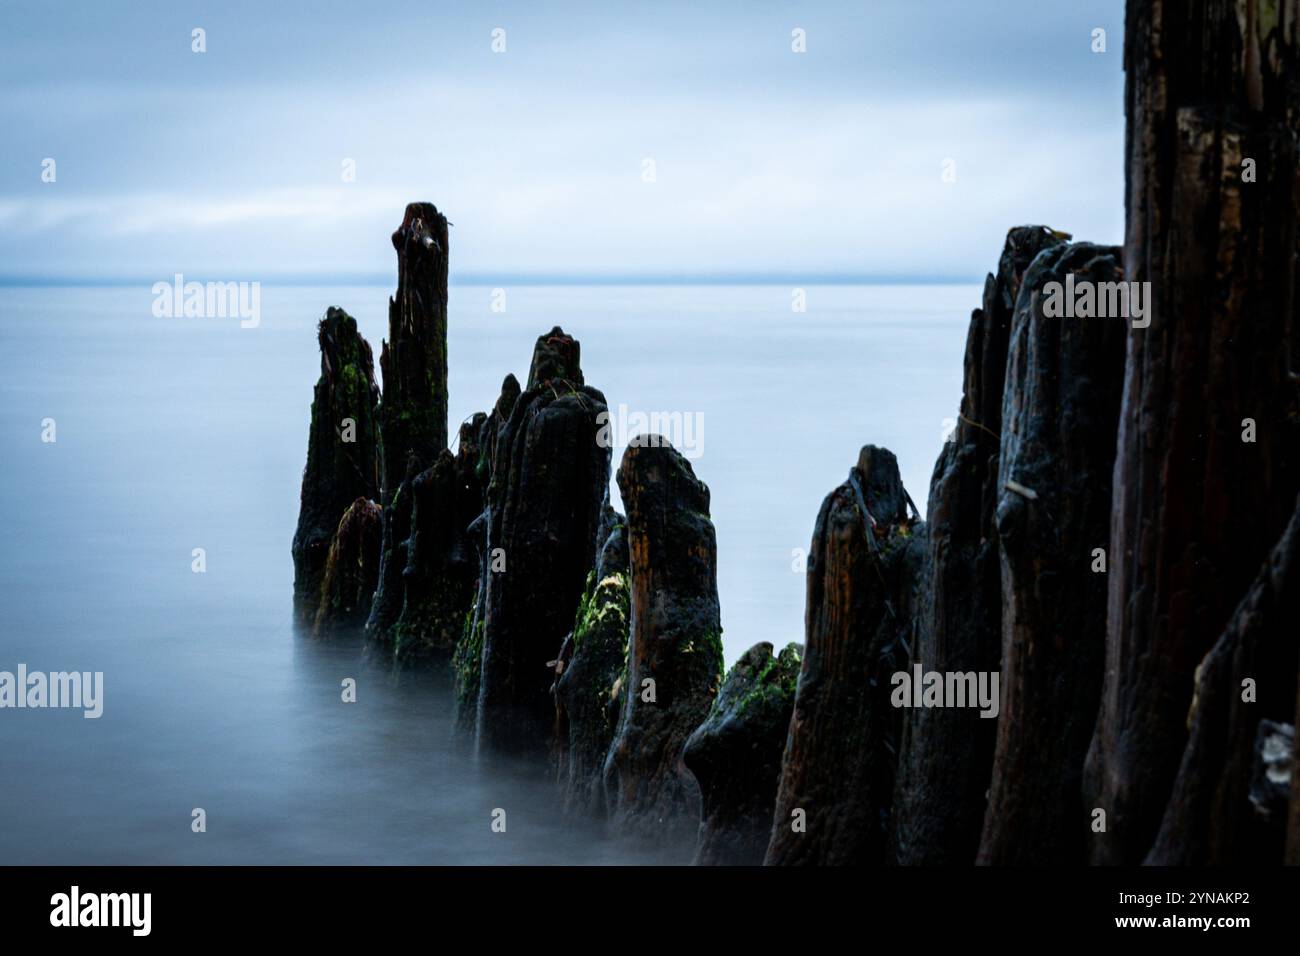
175,434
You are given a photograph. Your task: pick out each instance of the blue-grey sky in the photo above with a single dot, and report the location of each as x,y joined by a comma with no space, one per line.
228,164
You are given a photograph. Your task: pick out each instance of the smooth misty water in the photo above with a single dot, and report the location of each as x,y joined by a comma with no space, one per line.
182,433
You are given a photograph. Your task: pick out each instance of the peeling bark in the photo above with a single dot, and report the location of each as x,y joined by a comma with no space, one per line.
1210,84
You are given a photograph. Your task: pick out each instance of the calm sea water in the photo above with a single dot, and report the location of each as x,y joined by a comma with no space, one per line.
175,434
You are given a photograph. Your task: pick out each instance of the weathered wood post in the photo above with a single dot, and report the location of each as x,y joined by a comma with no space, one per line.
1208,458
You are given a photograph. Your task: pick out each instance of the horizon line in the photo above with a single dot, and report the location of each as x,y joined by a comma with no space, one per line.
19,280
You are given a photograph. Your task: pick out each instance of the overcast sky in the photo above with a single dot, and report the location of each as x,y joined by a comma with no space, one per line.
228,164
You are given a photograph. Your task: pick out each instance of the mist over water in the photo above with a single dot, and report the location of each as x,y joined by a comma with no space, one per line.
175,434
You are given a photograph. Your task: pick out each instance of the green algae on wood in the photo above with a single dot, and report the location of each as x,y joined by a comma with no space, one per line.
735,755
674,649
342,452
549,478
589,666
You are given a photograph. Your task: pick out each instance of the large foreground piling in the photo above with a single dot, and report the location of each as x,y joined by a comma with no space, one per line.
1208,458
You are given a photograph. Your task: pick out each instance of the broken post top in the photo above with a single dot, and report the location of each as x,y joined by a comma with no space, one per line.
422,236
414,357
654,477
341,345
752,679
337,316
1023,244
422,244
510,392
877,475
467,436
1034,233
556,356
